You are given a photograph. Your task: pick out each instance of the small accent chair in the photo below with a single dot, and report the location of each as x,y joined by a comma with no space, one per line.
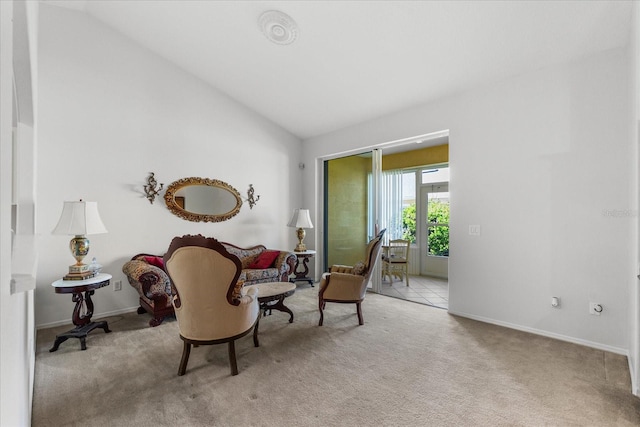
348,284
395,260
210,304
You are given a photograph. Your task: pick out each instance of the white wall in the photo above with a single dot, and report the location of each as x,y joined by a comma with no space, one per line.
18,45
111,112
544,163
634,300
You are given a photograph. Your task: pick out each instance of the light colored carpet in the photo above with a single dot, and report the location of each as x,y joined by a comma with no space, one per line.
409,365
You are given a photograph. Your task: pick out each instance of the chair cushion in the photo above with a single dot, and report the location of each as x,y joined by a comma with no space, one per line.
259,274
265,259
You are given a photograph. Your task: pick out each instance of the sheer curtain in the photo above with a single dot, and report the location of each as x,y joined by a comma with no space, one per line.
391,204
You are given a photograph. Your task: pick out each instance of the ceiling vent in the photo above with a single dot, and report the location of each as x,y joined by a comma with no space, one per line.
278,27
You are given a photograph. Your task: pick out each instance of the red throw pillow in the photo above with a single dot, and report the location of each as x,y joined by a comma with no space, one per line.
265,259
155,260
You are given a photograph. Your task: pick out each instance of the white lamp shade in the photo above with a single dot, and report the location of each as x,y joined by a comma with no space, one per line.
300,219
80,218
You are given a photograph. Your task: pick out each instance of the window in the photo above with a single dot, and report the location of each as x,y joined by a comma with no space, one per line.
438,222
409,206
400,191
435,175
436,182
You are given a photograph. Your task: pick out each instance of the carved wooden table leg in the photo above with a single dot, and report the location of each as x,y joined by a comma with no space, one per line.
301,271
277,305
82,311
271,298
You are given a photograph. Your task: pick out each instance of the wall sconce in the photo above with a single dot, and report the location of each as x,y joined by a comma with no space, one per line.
151,188
252,200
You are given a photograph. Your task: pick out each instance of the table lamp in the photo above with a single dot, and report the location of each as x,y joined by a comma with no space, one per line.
79,219
300,220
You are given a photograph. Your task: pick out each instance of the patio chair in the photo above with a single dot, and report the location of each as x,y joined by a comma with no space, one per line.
395,260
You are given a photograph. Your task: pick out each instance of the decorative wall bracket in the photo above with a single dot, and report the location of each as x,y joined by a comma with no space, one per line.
151,188
252,199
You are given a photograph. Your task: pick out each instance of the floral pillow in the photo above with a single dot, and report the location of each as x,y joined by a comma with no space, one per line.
359,268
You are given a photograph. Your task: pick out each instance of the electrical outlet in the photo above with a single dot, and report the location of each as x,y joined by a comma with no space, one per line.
474,230
595,308
117,285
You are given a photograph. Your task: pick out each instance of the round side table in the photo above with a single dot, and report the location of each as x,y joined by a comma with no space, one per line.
84,307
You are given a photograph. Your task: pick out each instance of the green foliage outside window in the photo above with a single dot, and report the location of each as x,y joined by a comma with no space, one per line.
438,234
438,213
409,223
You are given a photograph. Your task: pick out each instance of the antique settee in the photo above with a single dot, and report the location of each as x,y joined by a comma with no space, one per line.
146,273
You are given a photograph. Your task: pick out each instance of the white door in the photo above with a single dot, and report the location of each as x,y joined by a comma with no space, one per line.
433,229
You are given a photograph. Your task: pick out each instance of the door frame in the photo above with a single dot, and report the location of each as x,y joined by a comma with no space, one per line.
320,185
421,234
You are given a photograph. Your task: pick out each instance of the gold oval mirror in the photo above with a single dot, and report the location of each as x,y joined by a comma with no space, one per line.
202,199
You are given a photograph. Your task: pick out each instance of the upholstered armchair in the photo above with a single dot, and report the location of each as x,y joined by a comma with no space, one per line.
348,284
146,274
210,304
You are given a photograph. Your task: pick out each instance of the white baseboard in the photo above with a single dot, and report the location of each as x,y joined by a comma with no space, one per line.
97,316
616,350
598,346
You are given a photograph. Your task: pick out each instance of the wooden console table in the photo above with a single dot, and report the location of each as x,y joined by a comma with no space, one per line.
302,274
84,307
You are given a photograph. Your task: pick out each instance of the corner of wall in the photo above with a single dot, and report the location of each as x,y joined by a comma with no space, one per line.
634,52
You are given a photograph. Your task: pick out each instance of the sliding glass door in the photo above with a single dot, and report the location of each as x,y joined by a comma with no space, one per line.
410,203
351,207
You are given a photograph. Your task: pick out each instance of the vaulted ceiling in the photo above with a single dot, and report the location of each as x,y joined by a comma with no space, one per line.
354,61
